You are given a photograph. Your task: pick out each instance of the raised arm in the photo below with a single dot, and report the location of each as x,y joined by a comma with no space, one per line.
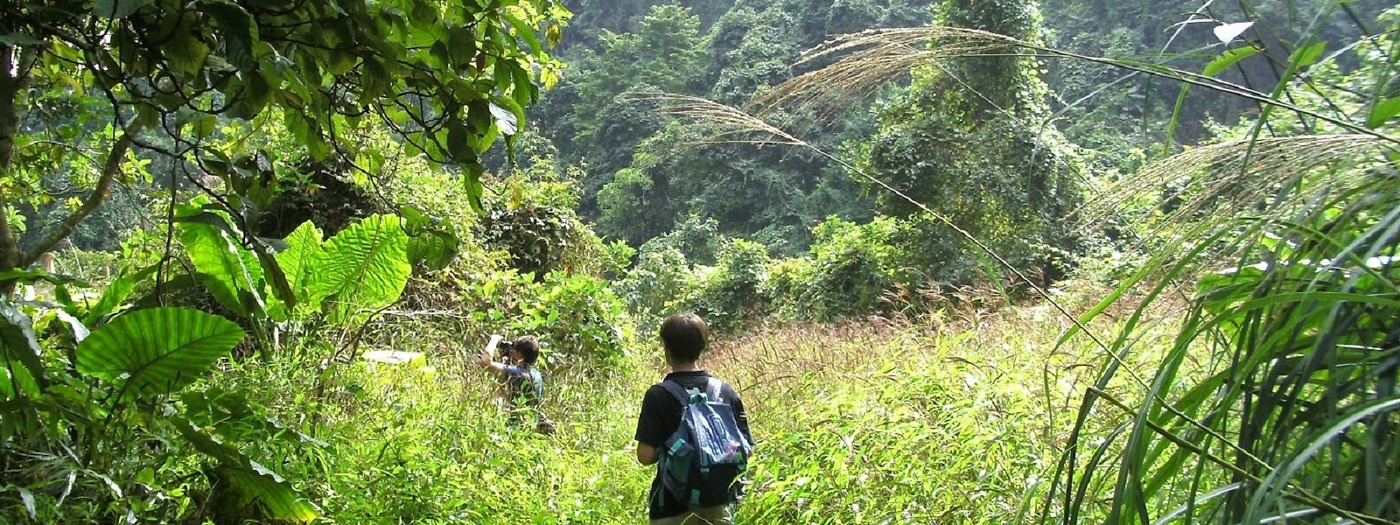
485,360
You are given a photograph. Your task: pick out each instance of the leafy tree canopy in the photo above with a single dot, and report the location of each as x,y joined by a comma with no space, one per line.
449,78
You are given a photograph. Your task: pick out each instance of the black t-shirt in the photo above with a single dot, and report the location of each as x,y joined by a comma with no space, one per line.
661,414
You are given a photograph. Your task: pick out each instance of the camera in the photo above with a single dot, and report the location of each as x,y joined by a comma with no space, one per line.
503,349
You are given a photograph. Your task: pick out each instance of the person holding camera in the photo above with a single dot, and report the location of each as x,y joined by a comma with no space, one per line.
524,383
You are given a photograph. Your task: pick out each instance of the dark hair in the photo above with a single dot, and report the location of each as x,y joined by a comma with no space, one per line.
528,348
684,336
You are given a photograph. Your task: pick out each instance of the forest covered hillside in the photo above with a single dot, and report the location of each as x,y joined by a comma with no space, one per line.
968,261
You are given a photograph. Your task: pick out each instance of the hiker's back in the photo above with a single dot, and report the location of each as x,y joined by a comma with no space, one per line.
701,431
704,459
693,428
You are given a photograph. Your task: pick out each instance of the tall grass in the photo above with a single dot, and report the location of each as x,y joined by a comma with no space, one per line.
952,416
1288,242
1294,416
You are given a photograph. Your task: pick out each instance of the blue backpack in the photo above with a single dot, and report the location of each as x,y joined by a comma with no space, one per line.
703,460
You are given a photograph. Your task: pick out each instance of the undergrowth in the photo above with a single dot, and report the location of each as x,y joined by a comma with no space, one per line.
955,416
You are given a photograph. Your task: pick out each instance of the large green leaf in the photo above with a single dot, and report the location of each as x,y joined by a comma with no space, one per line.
239,32
434,249
1382,112
118,8
304,245
363,268
1229,58
157,351
230,272
273,276
21,370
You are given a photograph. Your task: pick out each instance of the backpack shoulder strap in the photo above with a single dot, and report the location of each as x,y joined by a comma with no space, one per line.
713,389
676,391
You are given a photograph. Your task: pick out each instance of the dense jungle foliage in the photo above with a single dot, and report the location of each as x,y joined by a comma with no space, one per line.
967,261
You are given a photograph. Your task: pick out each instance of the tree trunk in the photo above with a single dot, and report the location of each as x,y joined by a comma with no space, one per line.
10,86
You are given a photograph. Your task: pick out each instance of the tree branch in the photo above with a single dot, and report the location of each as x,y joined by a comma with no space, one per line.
94,199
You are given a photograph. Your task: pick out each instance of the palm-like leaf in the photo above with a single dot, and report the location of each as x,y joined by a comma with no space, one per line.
156,351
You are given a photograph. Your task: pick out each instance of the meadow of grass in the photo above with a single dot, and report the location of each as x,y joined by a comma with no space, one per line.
951,416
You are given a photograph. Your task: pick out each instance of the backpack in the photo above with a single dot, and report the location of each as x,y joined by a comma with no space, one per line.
702,461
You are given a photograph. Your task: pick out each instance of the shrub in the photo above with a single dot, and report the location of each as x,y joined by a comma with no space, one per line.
578,314
852,266
533,222
652,286
577,317
787,279
730,296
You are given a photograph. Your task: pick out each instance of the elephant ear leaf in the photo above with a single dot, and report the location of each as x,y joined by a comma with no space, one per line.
362,268
303,247
231,272
156,351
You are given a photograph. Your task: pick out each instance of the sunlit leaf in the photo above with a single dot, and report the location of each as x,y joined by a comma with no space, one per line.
362,268
304,245
1307,55
1382,112
506,119
430,243
524,32
19,355
156,351
232,273
116,292
1229,58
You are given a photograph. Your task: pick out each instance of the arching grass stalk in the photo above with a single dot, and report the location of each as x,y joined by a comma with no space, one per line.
864,62
1240,179
737,126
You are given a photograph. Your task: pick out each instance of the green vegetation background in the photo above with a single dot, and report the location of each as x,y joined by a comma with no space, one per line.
1129,357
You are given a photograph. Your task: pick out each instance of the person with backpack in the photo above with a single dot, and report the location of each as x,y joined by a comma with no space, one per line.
524,385
693,427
